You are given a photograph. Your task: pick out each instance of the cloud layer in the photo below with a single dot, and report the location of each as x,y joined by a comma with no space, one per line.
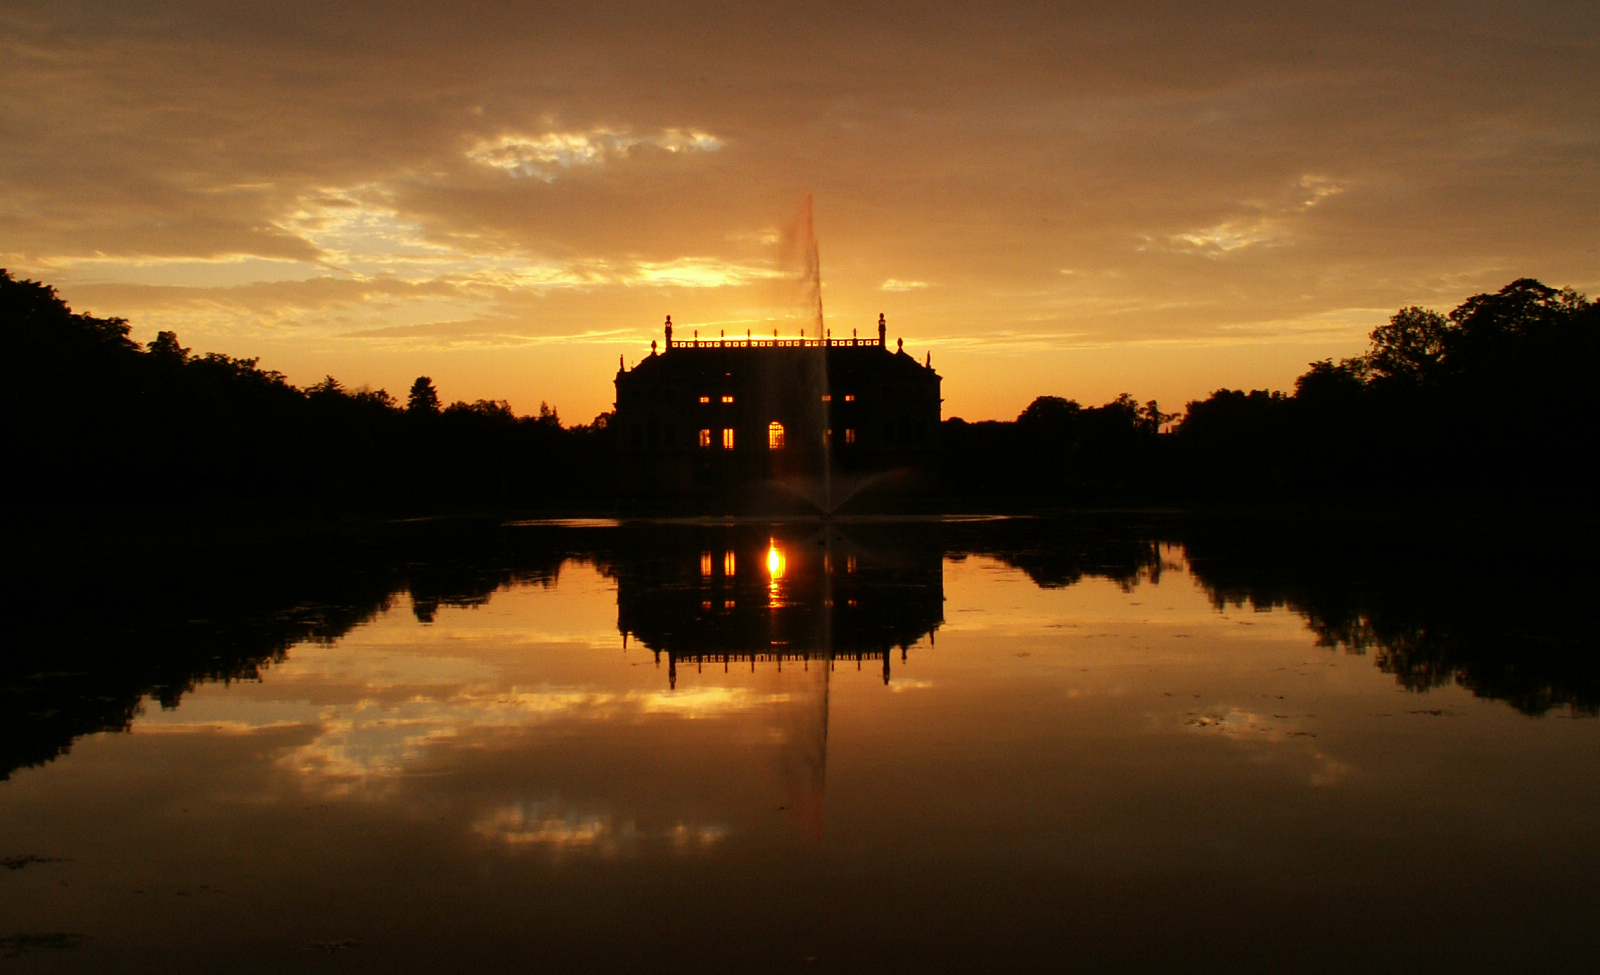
376,190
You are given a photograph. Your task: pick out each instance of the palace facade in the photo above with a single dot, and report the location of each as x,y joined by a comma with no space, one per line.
747,422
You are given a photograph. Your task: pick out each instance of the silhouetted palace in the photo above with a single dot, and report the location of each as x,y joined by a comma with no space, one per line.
816,418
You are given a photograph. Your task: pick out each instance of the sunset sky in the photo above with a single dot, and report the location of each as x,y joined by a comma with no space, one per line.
1161,198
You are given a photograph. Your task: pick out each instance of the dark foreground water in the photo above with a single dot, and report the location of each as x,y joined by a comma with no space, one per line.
931,746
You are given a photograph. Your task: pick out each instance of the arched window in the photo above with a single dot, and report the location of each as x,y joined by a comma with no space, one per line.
774,435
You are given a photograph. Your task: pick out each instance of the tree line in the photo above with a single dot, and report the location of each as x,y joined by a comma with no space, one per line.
1488,403
96,423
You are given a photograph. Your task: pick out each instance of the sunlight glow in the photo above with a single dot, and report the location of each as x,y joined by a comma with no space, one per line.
543,156
1230,235
895,284
697,272
1268,226
777,564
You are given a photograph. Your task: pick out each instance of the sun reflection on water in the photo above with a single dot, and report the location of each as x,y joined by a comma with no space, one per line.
776,566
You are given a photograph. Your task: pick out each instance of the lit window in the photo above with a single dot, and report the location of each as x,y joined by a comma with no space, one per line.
727,438
727,397
774,435
705,565
705,399
729,563
827,398
705,438
849,435
849,397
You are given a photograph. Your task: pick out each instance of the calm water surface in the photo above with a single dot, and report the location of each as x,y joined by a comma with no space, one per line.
860,747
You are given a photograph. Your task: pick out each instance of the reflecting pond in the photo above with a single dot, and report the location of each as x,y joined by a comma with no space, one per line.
921,746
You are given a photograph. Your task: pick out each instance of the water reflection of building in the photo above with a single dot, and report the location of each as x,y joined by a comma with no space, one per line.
781,595
705,419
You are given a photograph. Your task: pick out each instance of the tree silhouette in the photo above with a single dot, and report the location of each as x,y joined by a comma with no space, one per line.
423,398
165,347
1410,348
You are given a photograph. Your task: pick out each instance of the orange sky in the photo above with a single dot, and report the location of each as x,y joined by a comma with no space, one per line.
1162,198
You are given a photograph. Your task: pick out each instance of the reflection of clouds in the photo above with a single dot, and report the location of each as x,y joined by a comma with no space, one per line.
1329,770
1252,727
533,824
397,706
209,727
705,702
376,670
229,714
551,826
902,684
1235,723
350,757
365,746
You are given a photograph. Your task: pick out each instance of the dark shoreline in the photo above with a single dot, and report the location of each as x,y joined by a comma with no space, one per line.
71,536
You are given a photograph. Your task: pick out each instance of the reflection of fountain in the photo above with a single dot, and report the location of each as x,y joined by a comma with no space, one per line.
790,601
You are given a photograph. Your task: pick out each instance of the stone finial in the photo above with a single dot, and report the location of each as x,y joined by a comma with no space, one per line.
899,345
883,330
652,346
669,332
